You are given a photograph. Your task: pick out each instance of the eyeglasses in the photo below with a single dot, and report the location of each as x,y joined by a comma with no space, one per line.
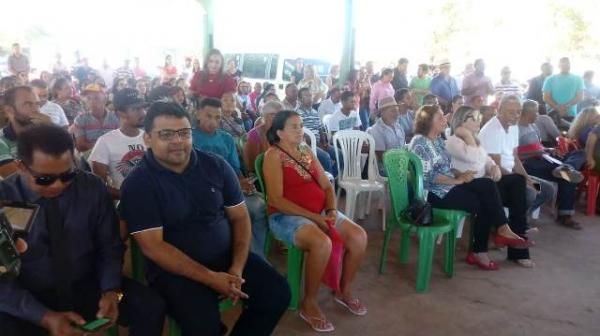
169,135
49,179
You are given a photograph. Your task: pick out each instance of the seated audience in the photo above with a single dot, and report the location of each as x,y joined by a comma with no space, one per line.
21,106
347,117
332,104
302,206
564,172
118,152
312,122
290,102
407,115
257,137
387,132
460,190
487,113
207,137
468,155
547,130
52,110
230,122
95,122
71,272
195,232
583,124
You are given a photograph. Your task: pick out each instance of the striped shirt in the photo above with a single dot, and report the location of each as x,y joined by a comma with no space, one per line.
86,125
310,118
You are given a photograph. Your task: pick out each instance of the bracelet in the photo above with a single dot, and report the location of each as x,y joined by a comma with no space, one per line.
327,211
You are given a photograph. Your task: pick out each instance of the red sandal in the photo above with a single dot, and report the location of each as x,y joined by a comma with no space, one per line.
473,260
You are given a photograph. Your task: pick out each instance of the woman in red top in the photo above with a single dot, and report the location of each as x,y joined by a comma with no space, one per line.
212,81
301,202
169,71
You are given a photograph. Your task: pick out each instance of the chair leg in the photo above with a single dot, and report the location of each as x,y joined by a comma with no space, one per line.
449,253
384,210
592,194
294,275
424,264
350,203
368,210
404,246
384,249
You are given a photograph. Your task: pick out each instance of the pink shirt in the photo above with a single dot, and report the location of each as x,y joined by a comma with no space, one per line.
379,90
482,85
465,157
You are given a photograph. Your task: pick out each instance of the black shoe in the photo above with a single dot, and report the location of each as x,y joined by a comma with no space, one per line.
568,174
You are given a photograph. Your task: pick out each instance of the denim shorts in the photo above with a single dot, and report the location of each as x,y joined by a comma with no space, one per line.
284,227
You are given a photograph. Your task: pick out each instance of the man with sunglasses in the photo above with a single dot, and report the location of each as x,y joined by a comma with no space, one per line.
22,108
71,271
186,210
117,152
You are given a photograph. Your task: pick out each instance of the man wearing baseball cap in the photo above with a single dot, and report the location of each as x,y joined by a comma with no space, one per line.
117,152
95,122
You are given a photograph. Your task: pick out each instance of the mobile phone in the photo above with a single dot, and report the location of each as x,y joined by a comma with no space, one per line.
95,325
20,215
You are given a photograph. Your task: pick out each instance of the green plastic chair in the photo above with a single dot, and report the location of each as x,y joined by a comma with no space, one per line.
138,266
404,167
295,257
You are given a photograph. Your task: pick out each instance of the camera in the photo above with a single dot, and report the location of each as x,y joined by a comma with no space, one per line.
10,263
15,222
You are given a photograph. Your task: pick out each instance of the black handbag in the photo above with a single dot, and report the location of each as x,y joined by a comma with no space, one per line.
419,213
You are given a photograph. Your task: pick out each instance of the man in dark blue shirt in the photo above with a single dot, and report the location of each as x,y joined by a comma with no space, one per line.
71,271
186,210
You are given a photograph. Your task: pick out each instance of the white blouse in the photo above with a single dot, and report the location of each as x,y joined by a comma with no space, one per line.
465,157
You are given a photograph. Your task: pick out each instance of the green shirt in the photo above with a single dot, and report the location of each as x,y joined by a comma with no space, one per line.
8,149
420,84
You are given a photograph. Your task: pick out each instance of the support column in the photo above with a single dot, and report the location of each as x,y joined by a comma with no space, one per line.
348,48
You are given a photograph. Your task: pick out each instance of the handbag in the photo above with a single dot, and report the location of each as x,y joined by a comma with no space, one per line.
418,213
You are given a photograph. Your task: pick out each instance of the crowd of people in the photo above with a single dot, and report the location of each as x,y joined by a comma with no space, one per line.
170,163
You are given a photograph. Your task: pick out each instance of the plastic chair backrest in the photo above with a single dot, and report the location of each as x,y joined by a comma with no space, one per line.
350,143
403,169
313,140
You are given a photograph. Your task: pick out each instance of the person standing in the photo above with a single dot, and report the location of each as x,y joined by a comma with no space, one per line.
562,92
17,62
212,81
420,85
383,88
476,85
400,81
444,87
534,91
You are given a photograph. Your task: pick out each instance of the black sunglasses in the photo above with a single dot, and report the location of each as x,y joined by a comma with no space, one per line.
46,180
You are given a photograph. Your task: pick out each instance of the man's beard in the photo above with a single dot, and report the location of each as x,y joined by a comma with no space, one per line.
23,121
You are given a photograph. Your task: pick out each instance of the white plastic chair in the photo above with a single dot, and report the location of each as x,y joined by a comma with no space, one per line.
350,144
313,148
325,123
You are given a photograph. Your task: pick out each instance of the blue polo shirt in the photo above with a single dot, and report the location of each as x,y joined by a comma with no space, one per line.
444,88
188,207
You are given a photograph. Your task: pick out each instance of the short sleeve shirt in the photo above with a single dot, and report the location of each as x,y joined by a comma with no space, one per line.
86,125
563,88
311,120
56,113
340,122
121,153
436,161
496,140
8,145
189,207
220,143
528,135
387,137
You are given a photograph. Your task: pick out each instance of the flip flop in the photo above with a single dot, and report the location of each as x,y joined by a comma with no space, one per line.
315,322
353,305
525,263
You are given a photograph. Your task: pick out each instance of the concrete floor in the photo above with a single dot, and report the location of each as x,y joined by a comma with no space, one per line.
560,296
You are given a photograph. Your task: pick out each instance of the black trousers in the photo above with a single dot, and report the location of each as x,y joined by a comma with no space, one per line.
512,190
142,310
195,306
480,198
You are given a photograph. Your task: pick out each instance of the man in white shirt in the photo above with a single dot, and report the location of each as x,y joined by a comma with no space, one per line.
347,117
500,138
331,104
117,152
52,110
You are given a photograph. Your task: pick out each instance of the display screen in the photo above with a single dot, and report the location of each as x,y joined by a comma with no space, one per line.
20,216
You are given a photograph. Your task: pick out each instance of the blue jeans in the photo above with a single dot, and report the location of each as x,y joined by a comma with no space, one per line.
566,190
257,210
327,160
363,113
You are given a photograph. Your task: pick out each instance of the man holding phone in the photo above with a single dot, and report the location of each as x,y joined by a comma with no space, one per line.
71,270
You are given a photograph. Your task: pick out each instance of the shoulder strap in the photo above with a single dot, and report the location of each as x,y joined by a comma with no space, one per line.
300,164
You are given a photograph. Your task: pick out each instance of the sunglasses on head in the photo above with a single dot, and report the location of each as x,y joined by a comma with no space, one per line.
49,179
